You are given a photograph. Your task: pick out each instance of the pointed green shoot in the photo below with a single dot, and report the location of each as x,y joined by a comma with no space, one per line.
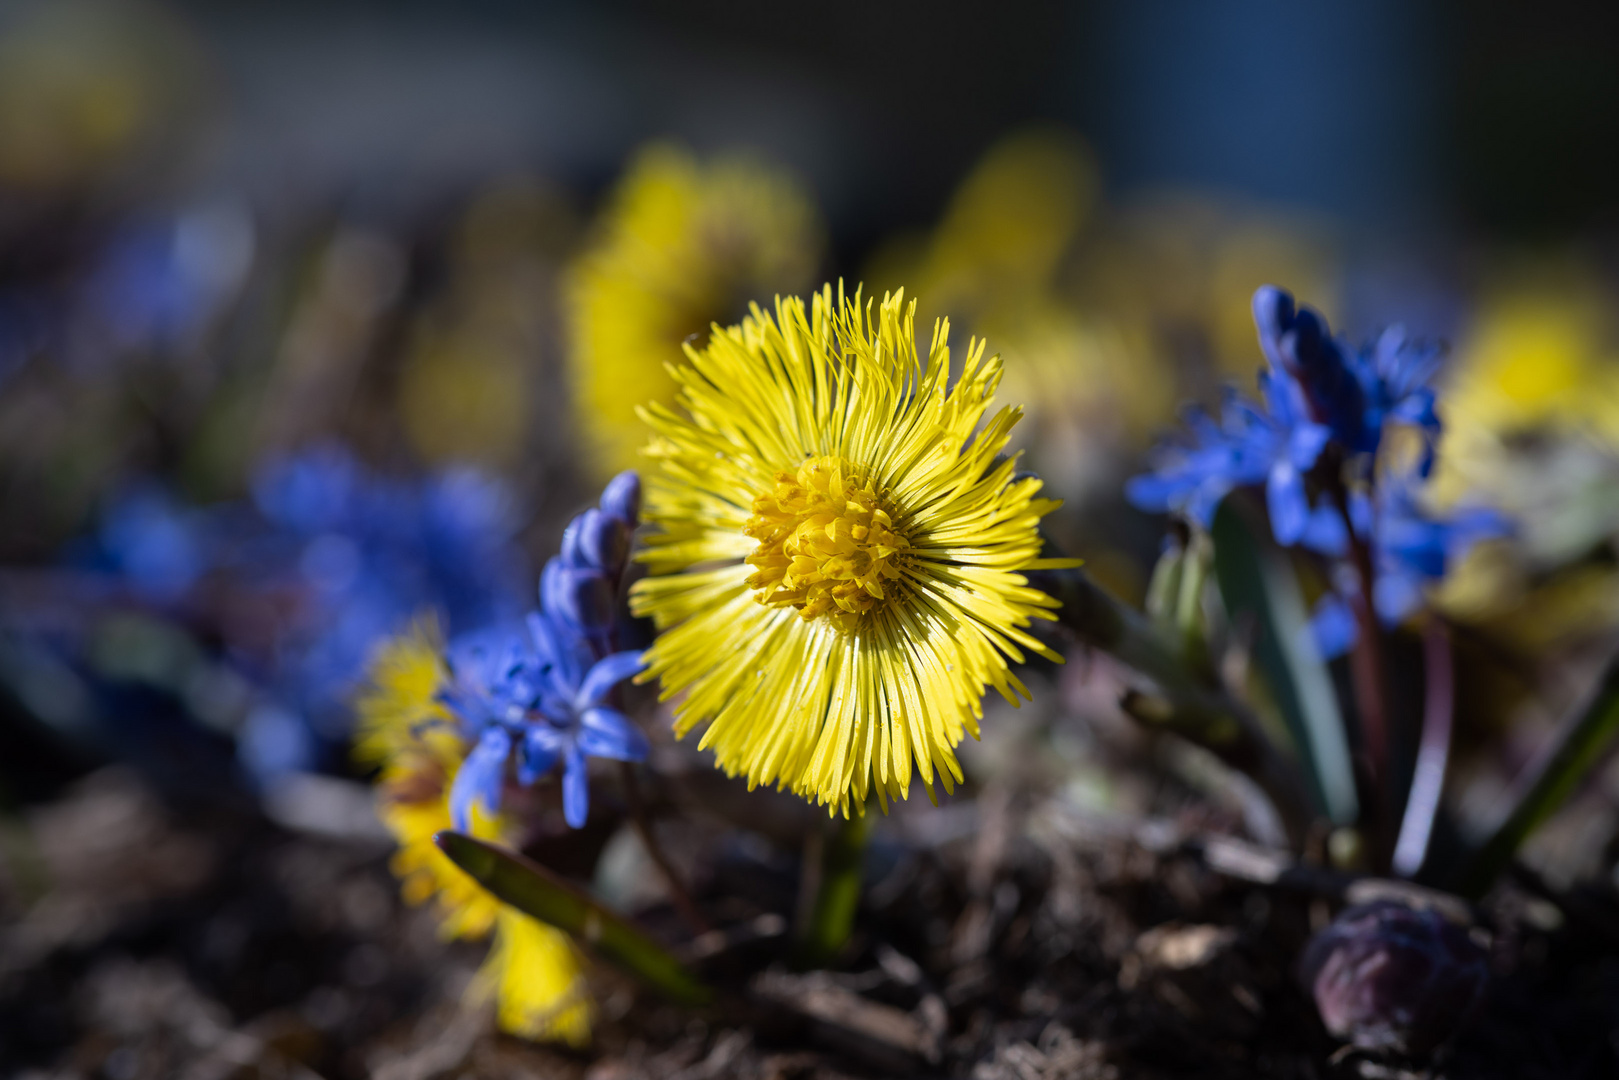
536,891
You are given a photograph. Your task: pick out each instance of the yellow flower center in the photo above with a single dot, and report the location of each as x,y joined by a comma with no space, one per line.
827,544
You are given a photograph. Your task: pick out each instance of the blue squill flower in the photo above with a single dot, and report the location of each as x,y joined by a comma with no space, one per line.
1412,549
1316,391
543,690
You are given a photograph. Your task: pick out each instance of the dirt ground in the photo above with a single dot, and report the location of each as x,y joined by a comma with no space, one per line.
1004,939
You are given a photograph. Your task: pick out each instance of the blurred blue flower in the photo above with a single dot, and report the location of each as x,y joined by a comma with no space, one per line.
325,562
362,555
1274,445
542,689
1326,403
156,283
1412,549
155,546
1316,392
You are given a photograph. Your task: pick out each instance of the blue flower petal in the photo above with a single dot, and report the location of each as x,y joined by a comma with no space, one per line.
1396,595
1205,501
1326,532
575,789
1285,498
1360,513
606,674
482,775
1333,624
1304,446
541,745
608,733
622,497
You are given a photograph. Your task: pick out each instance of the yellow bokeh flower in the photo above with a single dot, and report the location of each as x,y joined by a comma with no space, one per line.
534,971
683,244
535,974
837,555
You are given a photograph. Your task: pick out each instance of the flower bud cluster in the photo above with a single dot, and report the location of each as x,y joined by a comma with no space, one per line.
542,692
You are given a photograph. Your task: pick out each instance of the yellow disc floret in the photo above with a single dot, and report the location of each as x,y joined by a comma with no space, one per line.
827,544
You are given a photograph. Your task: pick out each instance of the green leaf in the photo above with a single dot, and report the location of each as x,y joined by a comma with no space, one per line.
536,891
1255,578
1578,748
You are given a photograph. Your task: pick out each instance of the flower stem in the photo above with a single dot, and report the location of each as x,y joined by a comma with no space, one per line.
1428,779
829,916
678,894
1187,703
1369,675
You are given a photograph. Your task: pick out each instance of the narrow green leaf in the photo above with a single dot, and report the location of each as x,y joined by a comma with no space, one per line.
536,891
1254,577
1576,751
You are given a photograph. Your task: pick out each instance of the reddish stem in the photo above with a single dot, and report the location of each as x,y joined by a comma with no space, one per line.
671,878
1370,677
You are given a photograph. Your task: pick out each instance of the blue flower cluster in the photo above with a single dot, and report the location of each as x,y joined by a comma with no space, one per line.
152,287
542,690
305,580
1325,406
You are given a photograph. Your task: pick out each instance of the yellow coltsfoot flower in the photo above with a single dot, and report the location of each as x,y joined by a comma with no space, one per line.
837,570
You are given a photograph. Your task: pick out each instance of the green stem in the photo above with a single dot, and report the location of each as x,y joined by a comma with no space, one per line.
1572,756
830,918
1191,705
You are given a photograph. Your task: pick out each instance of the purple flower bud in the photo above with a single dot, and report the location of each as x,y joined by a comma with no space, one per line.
622,497
604,541
573,551
580,596
1387,976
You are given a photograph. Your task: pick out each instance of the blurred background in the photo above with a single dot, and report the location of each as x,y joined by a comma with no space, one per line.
314,316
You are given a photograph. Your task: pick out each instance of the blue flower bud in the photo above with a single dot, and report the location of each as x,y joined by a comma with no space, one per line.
622,497
604,541
581,596
1389,977
572,552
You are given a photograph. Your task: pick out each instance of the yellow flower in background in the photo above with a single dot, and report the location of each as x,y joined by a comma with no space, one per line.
1538,362
683,244
93,93
535,974
1535,360
401,720
533,971
1008,226
837,549
1531,425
